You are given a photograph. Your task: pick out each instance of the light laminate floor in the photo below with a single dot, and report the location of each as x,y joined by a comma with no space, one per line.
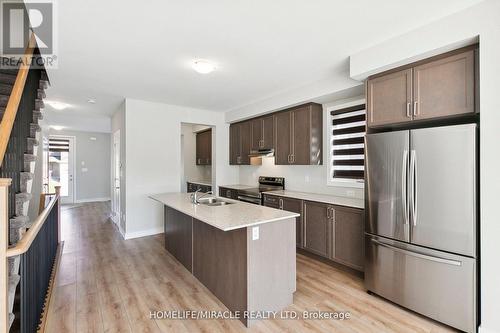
107,284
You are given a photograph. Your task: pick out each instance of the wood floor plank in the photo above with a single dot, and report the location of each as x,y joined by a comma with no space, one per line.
107,284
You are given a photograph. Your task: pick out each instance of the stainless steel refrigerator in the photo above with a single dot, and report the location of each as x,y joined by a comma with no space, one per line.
421,225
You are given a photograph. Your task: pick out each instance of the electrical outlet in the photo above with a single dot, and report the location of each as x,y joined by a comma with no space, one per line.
255,233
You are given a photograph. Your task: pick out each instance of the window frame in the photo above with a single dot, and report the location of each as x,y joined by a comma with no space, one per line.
330,180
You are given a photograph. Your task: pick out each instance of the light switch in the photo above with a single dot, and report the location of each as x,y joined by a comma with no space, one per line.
255,233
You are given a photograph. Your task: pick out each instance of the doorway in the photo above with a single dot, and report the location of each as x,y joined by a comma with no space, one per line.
61,166
116,179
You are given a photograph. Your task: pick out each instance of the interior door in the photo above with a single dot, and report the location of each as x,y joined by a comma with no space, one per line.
444,172
117,177
389,99
387,159
283,129
61,166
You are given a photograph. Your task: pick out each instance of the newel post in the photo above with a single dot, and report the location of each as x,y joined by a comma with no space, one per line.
58,203
4,244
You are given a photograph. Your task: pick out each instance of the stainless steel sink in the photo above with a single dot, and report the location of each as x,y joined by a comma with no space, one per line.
212,201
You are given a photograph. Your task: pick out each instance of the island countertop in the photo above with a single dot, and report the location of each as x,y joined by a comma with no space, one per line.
228,217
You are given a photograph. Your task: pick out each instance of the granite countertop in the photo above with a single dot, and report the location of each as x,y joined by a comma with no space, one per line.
324,198
205,182
238,186
229,217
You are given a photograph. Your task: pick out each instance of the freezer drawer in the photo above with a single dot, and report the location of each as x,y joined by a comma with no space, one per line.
438,285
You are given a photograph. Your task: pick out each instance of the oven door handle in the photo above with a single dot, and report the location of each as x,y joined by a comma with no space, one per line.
249,200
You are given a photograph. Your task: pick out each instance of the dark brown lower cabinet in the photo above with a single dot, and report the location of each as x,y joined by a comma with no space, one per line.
228,193
178,236
291,205
317,227
347,237
294,205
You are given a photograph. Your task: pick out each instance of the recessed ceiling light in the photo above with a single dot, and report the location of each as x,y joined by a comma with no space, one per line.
58,105
91,101
56,127
203,66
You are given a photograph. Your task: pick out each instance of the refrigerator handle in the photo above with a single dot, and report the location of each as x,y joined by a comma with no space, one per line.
404,190
414,188
417,254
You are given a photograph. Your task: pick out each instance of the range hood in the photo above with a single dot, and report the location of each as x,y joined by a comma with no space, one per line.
266,152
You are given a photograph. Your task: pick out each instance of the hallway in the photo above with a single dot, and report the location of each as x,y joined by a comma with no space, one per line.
106,284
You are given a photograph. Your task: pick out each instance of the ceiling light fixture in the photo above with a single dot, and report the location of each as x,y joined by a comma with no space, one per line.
56,127
203,66
58,105
91,101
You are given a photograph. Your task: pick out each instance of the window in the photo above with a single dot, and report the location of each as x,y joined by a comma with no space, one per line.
347,159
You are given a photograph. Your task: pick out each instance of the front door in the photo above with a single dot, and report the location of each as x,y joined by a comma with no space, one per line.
61,166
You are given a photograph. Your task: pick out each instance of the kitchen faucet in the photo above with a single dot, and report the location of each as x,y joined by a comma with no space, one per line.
194,196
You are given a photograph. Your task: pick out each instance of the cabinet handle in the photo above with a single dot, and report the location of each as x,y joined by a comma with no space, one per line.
415,108
199,161
281,203
292,158
327,212
408,113
288,158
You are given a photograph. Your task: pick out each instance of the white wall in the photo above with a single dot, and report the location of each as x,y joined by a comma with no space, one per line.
482,20
191,171
118,124
94,183
153,134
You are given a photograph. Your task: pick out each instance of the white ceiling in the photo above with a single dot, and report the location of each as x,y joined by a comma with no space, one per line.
112,49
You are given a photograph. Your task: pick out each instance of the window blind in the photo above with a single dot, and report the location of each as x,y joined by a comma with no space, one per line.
59,145
347,144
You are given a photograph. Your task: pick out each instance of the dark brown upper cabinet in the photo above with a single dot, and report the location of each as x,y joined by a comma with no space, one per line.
444,87
204,147
389,99
240,142
262,133
299,135
439,87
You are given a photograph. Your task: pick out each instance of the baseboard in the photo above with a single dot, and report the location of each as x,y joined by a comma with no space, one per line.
143,233
483,329
92,200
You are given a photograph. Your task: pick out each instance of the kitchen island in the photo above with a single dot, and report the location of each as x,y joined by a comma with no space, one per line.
243,253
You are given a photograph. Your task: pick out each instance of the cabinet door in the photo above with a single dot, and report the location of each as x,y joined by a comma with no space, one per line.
234,144
207,140
295,205
268,132
178,236
316,228
198,148
256,127
389,99
246,142
301,139
348,236
444,87
271,201
282,145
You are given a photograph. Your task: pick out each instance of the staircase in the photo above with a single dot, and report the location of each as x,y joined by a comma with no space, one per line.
19,164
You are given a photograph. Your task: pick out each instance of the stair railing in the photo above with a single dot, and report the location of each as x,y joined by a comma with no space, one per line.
39,246
15,98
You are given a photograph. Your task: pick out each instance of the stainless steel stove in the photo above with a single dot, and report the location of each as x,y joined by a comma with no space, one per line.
254,195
